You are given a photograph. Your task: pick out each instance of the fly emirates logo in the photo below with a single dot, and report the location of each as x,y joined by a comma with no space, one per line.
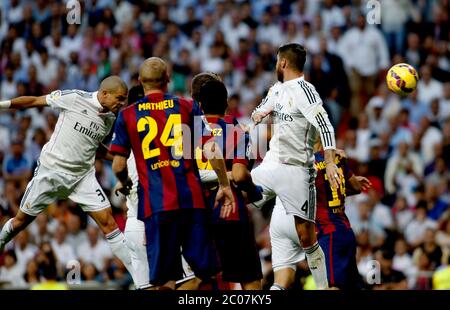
278,113
92,131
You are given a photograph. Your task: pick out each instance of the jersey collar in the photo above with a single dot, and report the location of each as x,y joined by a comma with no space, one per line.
294,81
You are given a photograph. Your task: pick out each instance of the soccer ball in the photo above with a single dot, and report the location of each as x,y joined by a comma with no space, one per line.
402,79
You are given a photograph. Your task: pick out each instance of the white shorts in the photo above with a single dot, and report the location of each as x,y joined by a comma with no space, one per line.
294,185
47,185
286,249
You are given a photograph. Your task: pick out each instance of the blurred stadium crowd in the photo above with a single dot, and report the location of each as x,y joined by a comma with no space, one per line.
401,144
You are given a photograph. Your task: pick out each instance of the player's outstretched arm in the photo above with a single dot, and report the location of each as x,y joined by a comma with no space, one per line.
104,153
243,179
224,195
120,169
359,183
24,102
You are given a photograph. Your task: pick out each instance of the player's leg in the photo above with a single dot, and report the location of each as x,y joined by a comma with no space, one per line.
163,249
92,200
198,246
13,226
116,239
340,254
284,278
286,249
314,253
39,193
135,235
297,193
262,176
328,247
231,237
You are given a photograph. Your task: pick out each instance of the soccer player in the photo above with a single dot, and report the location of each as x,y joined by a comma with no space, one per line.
66,164
134,228
287,170
171,202
335,235
233,236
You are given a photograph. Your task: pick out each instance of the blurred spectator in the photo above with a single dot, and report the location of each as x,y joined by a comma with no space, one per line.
403,215
403,262
395,15
424,273
443,239
441,277
415,230
94,250
368,224
11,272
391,279
8,85
234,29
76,236
430,248
46,67
63,250
428,88
365,53
414,53
417,109
39,229
47,265
32,275
16,165
403,171
24,249
430,137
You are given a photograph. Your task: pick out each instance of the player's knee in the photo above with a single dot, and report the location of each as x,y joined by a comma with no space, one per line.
110,225
240,176
105,220
21,220
306,232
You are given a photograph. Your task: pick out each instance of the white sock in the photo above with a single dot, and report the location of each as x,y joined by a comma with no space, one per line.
316,263
277,287
121,249
6,234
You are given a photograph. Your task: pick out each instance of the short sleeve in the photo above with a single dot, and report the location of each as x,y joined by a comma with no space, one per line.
61,99
120,140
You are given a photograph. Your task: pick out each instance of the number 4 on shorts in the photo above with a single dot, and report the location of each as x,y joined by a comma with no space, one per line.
304,208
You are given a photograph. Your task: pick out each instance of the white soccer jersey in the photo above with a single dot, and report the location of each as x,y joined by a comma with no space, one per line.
298,114
132,198
80,128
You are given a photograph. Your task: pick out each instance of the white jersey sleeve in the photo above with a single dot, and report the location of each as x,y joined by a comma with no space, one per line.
268,102
310,105
132,199
61,99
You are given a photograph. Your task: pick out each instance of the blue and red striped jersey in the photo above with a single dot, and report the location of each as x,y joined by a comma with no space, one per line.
330,214
235,144
155,129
